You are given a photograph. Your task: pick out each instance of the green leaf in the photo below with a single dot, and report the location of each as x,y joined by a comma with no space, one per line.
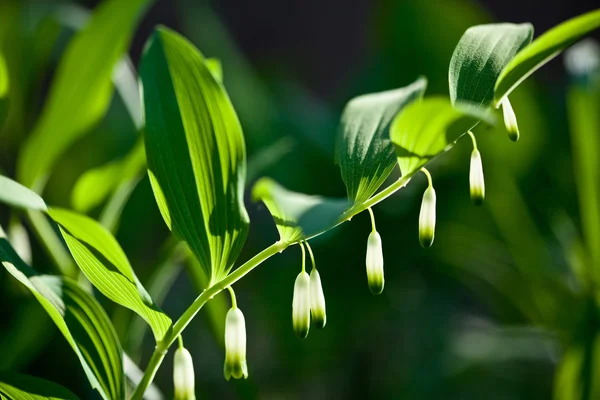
195,151
478,59
104,263
298,216
542,50
82,88
427,128
363,150
24,387
79,317
16,195
3,89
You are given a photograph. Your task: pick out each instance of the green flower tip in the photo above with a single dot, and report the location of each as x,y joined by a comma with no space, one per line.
235,345
510,120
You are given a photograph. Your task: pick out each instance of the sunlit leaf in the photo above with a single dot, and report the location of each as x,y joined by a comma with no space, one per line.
104,263
195,151
17,195
427,128
80,319
25,387
481,54
298,216
363,150
82,88
542,50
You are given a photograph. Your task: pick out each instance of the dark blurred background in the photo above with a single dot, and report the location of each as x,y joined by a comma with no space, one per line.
453,320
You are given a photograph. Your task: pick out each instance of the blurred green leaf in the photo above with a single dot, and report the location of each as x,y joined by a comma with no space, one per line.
424,129
363,150
16,195
3,90
104,263
542,50
195,150
81,91
79,317
478,59
215,67
25,387
298,216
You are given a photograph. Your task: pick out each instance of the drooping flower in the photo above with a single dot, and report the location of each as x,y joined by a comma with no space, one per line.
427,218
374,262
301,305
235,345
183,375
317,300
510,120
476,181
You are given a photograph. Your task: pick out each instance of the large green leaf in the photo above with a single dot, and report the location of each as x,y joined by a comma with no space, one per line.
427,128
16,195
363,150
478,59
195,151
542,50
104,263
24,387
298,216
79,317
81,91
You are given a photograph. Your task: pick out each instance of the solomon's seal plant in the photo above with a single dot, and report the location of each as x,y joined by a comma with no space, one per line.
193,149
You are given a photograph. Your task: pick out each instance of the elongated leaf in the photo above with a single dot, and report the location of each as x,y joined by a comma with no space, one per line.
363,150
80,319
24,387
478,59
425,129
542,50
3,90
16,195
298,216
195,151
103,262
82,88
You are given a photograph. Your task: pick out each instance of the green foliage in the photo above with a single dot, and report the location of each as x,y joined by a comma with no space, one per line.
16,195
3,90
364,151
80,319
23,387
195,150
103,262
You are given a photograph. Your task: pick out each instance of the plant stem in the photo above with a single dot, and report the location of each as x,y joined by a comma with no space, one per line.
161,348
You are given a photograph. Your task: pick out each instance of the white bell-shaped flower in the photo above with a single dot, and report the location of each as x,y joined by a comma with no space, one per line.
183,375
427,218
301,305
375,263
235,345
476,181
510,120
317,300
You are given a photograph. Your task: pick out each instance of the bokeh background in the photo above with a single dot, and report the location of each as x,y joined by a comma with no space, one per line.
457,321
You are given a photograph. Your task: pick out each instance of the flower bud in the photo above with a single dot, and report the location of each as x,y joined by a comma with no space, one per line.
510,120
427,218
301,305
375,263
235,345
183,375
476,182
317,300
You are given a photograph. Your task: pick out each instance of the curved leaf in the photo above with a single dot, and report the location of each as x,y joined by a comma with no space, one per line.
298,216
79,317
478,59
104,263
81,91
16,195
425,129
363,150
25,387
195,151
542,50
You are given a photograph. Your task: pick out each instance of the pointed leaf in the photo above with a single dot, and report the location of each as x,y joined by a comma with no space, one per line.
104,263
363,150
82,88
425,129
478,59
542,50
298,216
25,387
80,319
195,151
16,195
